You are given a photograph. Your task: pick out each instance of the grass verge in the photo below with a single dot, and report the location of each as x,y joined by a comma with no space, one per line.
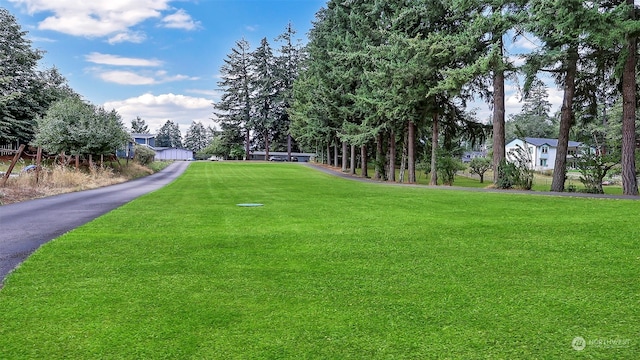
330,268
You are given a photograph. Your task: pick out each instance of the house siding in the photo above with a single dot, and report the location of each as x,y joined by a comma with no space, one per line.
537,145
173,154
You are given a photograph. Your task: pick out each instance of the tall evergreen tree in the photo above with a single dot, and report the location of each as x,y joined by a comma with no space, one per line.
25,92
169,135
630,103
234,107
264,93
565,28
534,119
288,60
196,138
139,126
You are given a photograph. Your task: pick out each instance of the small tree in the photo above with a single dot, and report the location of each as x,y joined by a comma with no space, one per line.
448,166
594,166
480,166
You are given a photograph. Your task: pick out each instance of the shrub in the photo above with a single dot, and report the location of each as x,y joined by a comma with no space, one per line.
517,172
593,168
144,155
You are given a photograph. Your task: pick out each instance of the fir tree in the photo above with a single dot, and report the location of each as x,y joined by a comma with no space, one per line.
139,126
196,138
234,107
169,135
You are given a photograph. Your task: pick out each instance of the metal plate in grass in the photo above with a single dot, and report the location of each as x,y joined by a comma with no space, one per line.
250,205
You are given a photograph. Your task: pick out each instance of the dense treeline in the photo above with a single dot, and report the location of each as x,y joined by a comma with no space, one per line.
392,78
37,107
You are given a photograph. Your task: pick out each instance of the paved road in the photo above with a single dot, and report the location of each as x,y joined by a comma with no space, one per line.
27,225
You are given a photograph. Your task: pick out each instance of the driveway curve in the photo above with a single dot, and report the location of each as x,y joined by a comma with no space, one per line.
25,226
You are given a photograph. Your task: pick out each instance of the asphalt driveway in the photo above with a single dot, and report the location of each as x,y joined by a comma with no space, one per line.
27,225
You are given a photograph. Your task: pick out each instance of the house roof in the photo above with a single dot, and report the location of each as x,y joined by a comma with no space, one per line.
142,136
550,142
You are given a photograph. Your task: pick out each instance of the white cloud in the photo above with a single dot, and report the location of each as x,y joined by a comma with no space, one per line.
157,109
107,59
95,18
214,94
180,20
132,37
126,78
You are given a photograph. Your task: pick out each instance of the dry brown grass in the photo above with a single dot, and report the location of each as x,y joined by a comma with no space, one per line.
60,179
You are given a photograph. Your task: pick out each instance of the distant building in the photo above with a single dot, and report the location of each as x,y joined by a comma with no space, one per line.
144,139
470,155
543,152
281,156
162,153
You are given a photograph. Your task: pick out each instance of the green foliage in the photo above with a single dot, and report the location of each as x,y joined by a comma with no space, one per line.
480,166
594,166
448,165
139,126
197,138
25,92
143,154
516,172
169,135
533,120
73,126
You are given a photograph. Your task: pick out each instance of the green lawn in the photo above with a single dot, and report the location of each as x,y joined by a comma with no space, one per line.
330,268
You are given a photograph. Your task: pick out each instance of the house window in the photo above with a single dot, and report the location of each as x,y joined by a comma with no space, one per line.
545,150
543,162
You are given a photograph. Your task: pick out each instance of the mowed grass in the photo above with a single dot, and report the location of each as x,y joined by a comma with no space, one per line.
331,268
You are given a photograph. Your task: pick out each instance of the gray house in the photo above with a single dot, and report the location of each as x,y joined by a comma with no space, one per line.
173,154
162,153
281,156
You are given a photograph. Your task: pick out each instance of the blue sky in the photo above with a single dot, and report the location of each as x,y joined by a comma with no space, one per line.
157,59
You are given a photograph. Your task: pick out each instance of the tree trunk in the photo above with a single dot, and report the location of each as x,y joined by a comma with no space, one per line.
345,156
39,164
498,115
403,159
266,145
566,117
434,151
411,151
392,156
379,158
335,153
363,156
352,167
328,153
288,147
247,145
629,177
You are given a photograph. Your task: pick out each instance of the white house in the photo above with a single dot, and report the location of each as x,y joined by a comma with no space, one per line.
542,152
